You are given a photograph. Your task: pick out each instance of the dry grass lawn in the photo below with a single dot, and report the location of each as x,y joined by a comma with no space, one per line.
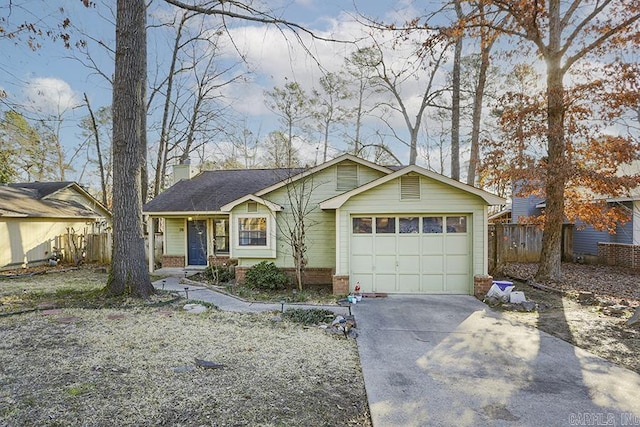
133,364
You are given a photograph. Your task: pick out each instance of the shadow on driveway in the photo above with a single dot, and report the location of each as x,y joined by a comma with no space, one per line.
448,360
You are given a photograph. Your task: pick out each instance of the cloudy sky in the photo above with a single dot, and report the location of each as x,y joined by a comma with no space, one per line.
52,80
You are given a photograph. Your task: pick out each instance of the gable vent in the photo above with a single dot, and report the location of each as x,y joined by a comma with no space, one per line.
347,176
252,207
409,187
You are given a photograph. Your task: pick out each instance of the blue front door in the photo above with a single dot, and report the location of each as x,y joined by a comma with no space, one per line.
197,242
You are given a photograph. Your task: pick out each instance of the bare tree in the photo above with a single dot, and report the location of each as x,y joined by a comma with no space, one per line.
433,54
329,110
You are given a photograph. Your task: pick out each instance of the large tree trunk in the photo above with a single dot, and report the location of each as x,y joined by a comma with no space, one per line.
485,61
129,273
96,137
455,101
551,256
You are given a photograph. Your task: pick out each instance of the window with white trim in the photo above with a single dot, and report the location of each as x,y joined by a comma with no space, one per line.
252,231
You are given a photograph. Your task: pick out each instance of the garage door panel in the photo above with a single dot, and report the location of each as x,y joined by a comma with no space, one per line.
385,264
385,282
457,264
456,244
362,263
458,284
361,244
409,264
385,244
408,245
433,264
432,283
432,244
409,283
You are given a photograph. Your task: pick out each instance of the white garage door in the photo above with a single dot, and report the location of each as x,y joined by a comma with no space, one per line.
411,254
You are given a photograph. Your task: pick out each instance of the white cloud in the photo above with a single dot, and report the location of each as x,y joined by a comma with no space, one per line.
50,95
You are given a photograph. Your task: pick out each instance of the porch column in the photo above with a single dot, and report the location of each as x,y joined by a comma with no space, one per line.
338,271
152,244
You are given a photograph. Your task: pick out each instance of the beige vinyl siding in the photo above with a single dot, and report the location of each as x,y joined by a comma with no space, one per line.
435,198
32,239
175,236
320,231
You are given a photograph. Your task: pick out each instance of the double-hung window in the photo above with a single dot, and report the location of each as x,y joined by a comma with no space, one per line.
252,231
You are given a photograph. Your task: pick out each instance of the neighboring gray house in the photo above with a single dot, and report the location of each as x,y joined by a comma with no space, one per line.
586,237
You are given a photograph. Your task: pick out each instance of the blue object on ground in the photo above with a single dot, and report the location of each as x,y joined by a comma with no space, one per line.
502,284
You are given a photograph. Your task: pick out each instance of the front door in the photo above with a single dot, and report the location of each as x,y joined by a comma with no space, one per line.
197,242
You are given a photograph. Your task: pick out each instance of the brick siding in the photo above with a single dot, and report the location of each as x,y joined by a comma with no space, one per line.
619,254
173,261
481,285
312,276
340,285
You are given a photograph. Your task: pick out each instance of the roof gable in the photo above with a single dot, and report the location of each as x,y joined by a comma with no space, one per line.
38,200
321,167
338,201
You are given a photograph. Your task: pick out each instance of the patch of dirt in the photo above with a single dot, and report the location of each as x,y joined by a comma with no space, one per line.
136,366
584,324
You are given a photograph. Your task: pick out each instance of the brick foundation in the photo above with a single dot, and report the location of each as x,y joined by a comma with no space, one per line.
619,254
312,276
481,285
340,285
173,261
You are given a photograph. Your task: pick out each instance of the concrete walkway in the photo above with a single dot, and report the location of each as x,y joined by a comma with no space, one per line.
448,360
178,283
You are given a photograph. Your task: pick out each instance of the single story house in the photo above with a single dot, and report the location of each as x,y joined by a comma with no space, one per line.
34,216
393,230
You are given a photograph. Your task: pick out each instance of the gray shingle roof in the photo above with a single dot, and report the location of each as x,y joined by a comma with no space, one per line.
42,189
28,200
209,190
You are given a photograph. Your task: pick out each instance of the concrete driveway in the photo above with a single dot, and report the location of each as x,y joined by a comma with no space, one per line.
449,360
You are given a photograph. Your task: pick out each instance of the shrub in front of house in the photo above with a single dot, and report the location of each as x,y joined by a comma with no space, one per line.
265,275
219,273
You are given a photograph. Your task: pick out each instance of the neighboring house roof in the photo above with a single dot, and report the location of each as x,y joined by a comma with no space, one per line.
209,191
38,200
501,214
338,201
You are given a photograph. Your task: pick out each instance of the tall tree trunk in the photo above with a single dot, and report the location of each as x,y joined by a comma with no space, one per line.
129,273
161,161
455,101
96,137
478,97
551,256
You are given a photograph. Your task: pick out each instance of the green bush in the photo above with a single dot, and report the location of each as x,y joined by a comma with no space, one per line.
312,316
219,274
265,275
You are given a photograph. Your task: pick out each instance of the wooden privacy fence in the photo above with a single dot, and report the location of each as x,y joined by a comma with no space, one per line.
85,247
522,243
